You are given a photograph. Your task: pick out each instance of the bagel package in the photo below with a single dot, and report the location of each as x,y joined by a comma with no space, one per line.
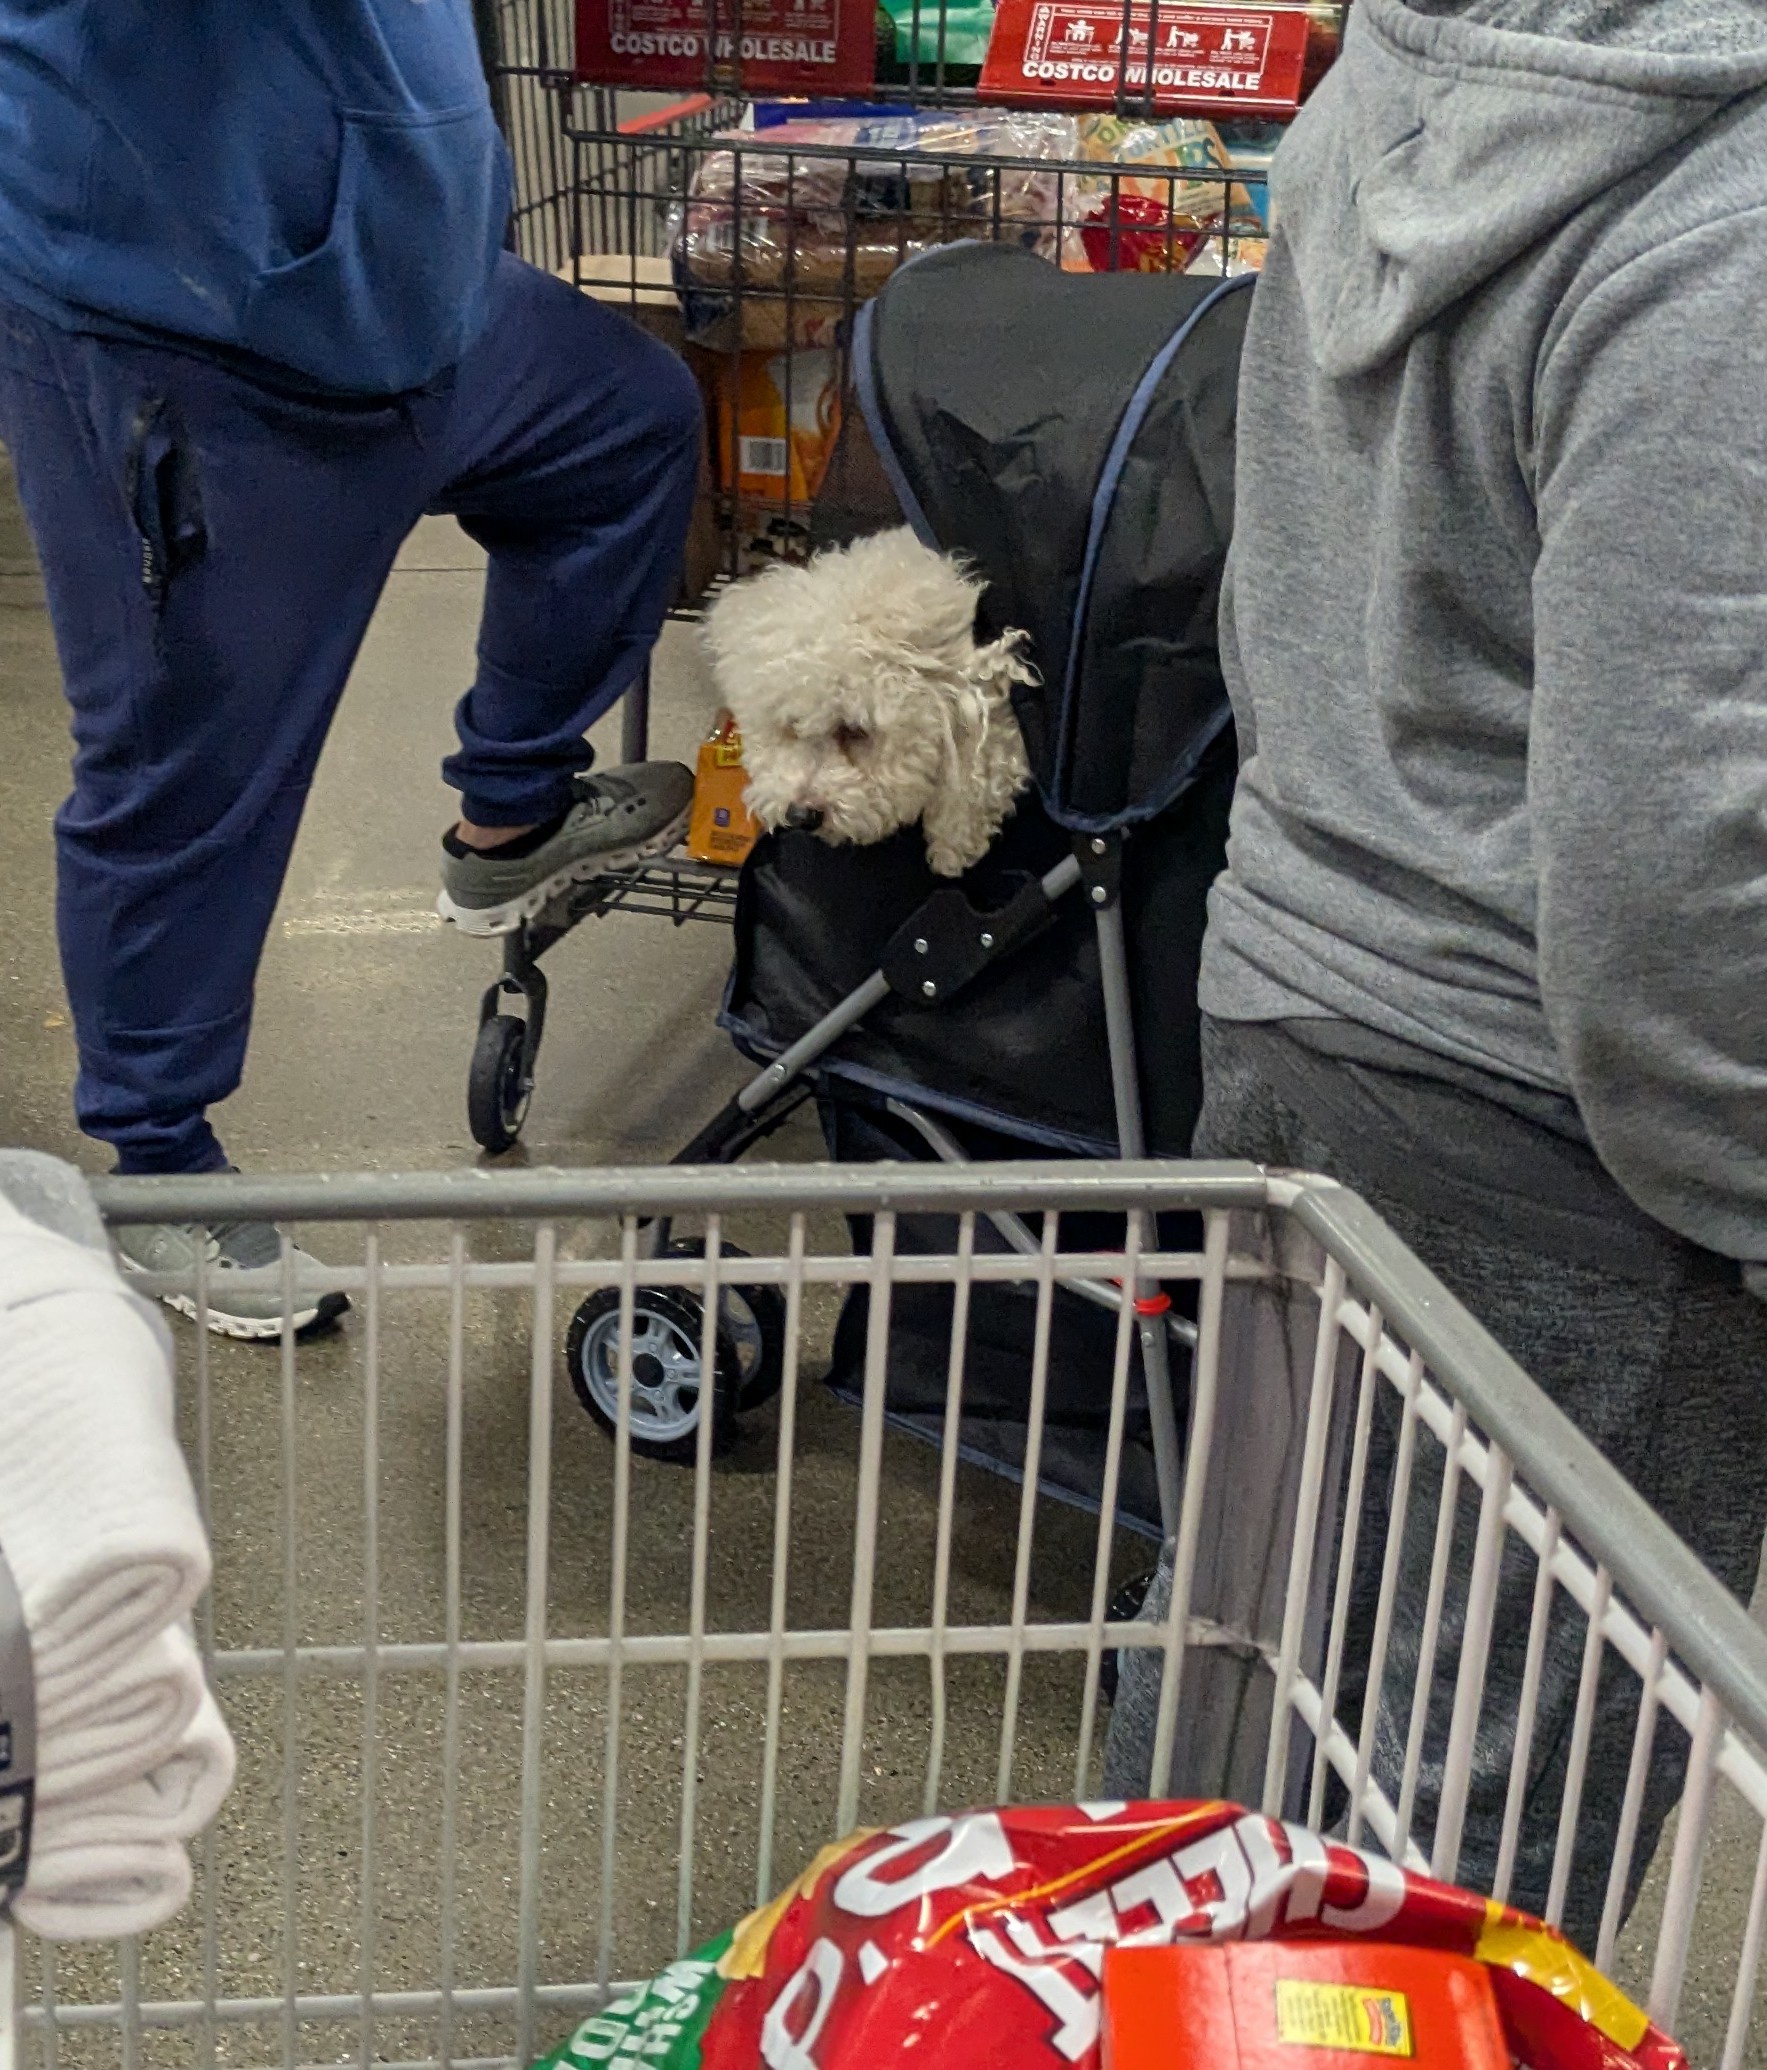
991,1941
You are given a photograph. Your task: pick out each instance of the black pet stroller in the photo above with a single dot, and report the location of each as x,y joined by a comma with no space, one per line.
1073,436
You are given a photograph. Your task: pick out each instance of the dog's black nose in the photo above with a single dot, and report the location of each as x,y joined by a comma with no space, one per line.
803,819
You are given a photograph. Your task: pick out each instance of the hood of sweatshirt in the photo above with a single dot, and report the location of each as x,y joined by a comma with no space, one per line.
1422,165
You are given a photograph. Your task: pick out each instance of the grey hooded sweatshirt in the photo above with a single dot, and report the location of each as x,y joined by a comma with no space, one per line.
1496,618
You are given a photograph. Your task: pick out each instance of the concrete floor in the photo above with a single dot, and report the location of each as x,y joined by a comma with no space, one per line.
366,1013
364,1027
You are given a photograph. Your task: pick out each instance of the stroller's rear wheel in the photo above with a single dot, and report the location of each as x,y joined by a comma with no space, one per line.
755,1319
499,1088
668,1383
668,1345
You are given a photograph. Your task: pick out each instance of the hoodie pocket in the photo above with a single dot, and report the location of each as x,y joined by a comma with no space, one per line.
396,290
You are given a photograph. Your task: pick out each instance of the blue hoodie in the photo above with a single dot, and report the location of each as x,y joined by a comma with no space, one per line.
317,183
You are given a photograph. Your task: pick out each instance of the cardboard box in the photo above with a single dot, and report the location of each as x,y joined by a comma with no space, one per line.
721,830
777,417
1298,2005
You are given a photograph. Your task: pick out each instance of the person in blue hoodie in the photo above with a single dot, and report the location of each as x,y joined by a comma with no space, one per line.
256,318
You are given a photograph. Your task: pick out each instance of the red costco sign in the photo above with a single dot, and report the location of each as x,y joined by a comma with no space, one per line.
1206,60
821,46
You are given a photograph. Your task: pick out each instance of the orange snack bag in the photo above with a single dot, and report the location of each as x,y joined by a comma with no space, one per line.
721,830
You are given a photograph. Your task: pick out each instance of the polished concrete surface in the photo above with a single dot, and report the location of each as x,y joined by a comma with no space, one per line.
365,1019
366,1013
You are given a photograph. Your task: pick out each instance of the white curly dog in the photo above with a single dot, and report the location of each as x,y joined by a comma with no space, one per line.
865,703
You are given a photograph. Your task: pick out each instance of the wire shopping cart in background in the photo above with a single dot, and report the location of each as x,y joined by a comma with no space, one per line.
522,1716
750,232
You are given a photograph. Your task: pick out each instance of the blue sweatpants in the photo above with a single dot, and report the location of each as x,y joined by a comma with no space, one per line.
213,548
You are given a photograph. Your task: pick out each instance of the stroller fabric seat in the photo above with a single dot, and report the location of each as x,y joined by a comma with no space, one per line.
1024,1050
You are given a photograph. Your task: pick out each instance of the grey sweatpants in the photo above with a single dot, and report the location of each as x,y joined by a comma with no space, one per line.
1650,1345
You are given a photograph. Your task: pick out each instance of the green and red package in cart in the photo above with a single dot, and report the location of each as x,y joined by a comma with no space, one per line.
978,1943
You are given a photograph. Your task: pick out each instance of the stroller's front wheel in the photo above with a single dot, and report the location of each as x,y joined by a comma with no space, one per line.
499,1087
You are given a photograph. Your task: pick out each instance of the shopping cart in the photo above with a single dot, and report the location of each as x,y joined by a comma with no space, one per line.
521,1717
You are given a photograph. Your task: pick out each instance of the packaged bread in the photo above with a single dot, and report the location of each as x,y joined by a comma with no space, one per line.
788,230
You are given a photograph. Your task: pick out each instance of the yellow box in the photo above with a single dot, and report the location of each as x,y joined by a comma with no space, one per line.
720,830
779,417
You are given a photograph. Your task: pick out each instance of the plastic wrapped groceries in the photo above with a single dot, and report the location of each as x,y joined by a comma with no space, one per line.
1169,204
1144,216
986,1942
795,240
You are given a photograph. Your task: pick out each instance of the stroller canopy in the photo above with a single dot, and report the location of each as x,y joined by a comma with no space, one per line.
1072,435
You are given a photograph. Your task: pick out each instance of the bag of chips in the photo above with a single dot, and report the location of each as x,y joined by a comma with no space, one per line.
979,1943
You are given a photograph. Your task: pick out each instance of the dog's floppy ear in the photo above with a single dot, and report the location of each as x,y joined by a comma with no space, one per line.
983,766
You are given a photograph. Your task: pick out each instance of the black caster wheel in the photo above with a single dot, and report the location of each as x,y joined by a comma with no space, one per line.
668,1330
1124,1608
668,1389
498,1088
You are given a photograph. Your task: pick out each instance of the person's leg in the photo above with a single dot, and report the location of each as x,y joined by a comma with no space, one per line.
1663,1375
1660,1368
212,553
571,454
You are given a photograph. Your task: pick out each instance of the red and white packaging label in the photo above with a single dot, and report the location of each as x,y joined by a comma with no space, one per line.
823,46
1206,60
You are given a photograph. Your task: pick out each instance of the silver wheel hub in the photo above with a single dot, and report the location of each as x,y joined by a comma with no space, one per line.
666,1366
665,1374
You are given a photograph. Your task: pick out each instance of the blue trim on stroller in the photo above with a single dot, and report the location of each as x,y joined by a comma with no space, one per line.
1103,499
871,408
1182,776
1183,772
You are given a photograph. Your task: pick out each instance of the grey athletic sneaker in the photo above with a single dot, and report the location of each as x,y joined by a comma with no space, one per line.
243,1286
617,820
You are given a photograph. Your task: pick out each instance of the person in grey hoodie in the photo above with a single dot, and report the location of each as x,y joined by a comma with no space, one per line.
1491,946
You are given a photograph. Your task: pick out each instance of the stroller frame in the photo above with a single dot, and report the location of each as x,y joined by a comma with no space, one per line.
930,959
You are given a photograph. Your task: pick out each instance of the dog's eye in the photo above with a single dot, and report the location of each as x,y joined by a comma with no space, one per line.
846,737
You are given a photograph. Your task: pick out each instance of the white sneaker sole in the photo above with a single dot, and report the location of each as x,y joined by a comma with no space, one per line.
258,1329
506,918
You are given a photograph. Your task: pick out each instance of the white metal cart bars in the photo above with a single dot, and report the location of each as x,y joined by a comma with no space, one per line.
797,1624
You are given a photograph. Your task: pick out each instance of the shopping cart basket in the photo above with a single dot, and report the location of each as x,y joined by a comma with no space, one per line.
521,1716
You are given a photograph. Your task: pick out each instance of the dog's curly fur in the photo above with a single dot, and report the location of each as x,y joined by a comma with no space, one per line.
861,694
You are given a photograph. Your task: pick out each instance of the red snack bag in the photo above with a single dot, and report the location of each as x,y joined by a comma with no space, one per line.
979,1942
